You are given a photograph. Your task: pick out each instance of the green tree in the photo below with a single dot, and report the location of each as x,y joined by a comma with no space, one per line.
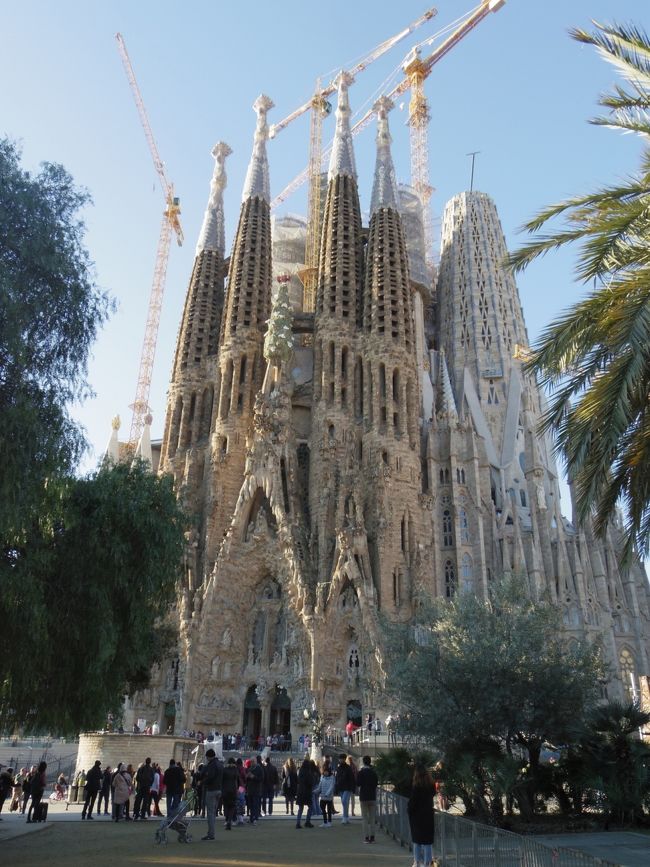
50,311
596,356
614,761
87,566
498,674
98,572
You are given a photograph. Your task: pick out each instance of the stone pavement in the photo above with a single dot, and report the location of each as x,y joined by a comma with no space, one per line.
626,848
65,841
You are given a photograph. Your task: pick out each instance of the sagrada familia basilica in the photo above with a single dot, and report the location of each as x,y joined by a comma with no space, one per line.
338,463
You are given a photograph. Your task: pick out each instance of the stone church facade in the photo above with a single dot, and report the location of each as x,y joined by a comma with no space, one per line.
337,463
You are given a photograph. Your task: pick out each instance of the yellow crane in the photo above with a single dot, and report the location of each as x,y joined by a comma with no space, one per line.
320,108
170,224
416,70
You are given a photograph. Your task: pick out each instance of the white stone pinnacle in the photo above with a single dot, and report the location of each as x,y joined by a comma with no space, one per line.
447,395
384,188
257,177
212,235
342,158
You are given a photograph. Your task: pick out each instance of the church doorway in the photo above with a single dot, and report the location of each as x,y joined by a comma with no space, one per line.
280,713
169,719
252,726
354,712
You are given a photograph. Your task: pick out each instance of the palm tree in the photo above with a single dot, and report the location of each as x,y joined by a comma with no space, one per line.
596,355
616,760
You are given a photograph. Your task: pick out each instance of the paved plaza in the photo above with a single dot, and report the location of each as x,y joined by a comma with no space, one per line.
65,841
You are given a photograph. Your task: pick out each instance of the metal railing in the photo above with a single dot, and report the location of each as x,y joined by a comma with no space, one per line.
459,842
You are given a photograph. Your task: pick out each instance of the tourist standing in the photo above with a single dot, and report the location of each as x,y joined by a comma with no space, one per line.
344,786
155,791
121,784
254,784
304,795
353,799
104,792
92,787
27,787
6,786
212,780
38,784
421,816
367,781
289,784
144,781
326,792
174,780
229,786
271,782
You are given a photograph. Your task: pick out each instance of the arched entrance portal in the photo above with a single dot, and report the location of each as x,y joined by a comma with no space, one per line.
169,719
252,716
354,712
280,723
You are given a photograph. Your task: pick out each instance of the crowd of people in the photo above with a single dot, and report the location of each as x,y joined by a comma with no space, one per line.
241,791
24,787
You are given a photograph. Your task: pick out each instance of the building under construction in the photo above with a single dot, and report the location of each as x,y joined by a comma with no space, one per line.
349,431
339,462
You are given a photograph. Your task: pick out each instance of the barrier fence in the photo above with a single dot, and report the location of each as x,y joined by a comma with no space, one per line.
459,842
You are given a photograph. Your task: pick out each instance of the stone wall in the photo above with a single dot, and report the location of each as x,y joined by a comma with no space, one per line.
111,749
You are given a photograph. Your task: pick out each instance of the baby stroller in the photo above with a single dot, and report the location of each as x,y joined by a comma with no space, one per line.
178,822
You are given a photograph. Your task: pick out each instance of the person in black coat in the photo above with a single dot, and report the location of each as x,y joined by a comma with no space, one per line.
344,786
229,786
289,783
271,782
105,791
174,780
304,795
421,818
92,787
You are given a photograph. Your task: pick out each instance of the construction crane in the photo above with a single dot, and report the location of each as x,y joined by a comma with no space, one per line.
417,71
170,224
320,108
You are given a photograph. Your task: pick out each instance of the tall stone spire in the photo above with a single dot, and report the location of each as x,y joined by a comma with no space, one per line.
212,234
342,157
248,302
340,270
241,363
257,176
384,188
388,308
447,400
191,393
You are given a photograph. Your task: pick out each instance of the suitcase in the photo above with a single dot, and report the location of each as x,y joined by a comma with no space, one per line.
40,813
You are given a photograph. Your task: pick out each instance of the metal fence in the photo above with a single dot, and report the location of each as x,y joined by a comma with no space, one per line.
459,842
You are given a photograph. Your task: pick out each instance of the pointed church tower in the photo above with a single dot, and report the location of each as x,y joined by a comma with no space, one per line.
191,394
337,387
241,364
391,412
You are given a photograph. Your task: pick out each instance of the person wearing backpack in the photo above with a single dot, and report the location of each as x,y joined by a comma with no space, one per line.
121,785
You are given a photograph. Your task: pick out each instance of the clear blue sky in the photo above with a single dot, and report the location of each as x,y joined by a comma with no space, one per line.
517,89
